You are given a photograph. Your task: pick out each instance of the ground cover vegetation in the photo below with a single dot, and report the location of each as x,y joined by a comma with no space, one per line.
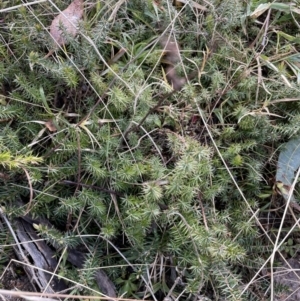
156,161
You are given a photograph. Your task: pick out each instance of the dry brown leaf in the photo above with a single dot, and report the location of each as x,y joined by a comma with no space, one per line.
171,49
4,176
68,19
172,57
193,4
50,126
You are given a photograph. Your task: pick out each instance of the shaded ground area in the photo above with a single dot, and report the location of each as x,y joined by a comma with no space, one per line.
15,279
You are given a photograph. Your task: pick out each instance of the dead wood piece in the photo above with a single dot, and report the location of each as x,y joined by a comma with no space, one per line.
288,275
42,257
104,283
75,257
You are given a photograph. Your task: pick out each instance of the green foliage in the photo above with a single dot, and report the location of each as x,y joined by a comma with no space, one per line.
173,187
9,161
55,238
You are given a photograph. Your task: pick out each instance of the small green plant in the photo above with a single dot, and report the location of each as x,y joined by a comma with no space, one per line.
163,187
